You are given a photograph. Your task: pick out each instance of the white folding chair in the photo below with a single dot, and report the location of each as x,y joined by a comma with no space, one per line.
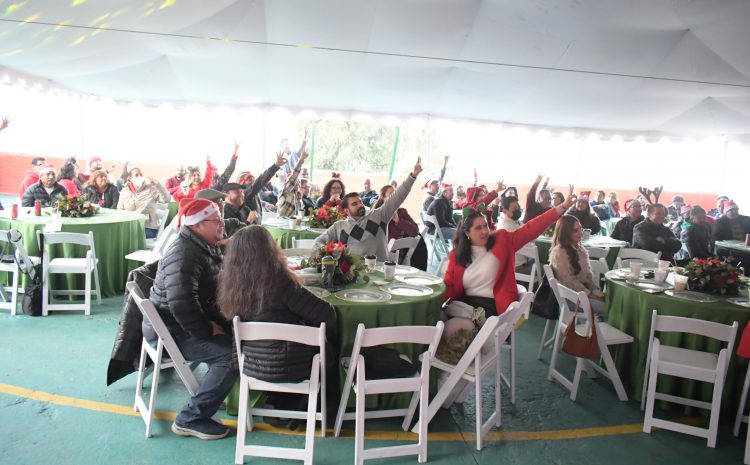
509,343
606,335
164,342
86,266
163,241
439,246
8,264
598,268
419,385
597,252
258,331
303,243
530,253
442,267
396,245
162,211
480,358
544,342
529,278
647,258
741,417
707,367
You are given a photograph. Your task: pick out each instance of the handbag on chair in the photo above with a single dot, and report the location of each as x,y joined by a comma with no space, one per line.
31,302
577,345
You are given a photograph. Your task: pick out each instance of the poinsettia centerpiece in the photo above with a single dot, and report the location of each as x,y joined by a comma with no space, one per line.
347,265
74,206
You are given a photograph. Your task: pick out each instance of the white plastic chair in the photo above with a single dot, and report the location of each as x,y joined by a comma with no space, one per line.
741,417
544,342
86,266
396,245
606,334
509,343
303,243
439,246
162,211
598,268
648,258
164,342
530,252
419,385
8,264
480,358
258,331
690,364
442,267
163,241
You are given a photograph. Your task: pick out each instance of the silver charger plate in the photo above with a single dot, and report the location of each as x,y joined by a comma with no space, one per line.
407,290
363,295
693,296
319,292
743,301
650,285
419,280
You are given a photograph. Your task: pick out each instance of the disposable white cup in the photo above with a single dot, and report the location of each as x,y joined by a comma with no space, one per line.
680,283
370,264
635,269
586,234
660,276
664,264
389,270
292,223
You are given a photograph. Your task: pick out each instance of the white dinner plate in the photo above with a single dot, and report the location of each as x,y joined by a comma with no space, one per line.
400,269
693,296
407,290
363,295
319,292
743,301
419,280
650,285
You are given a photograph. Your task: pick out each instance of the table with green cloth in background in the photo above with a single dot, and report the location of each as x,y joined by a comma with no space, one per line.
285,236
116,234
736,249
629,309
544,244
172,208
399,311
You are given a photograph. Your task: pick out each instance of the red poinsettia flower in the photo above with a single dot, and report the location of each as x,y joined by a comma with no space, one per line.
329,247
344,266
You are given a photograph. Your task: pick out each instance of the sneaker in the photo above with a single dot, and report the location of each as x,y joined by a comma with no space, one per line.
202,429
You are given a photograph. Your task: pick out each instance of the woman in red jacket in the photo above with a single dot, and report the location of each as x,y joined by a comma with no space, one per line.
196,183
481,267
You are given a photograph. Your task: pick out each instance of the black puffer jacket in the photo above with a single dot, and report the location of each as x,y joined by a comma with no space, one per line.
127,347
645,236
106,199
37,192
184,291
280,361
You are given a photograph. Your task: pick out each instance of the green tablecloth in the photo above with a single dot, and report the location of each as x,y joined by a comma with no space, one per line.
544,244
172,208
285,236
629,309
116,234
399,311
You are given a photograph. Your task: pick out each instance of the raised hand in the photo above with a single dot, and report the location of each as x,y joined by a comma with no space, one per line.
5,123
500,186
445,160
539,178
569,199
236,147
418,167
280,160
305,154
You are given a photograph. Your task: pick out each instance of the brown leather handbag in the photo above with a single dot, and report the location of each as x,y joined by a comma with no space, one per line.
577,345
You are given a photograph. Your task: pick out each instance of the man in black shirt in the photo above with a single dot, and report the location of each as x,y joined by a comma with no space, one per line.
624,228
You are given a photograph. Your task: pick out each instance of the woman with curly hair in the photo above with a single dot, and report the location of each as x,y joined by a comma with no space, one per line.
333,192
98,190
570,261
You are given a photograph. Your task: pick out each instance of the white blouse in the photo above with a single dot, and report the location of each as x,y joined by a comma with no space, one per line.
479,277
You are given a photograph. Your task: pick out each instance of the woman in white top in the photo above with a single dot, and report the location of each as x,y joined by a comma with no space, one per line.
570,261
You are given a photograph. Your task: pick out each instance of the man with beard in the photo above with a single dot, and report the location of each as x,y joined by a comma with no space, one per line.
511,214
367,233
45,190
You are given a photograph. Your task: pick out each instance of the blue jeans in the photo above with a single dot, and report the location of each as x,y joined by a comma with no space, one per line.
222,373
151,233
447,233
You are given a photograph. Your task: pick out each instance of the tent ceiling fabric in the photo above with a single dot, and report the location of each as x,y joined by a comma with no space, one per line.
157,50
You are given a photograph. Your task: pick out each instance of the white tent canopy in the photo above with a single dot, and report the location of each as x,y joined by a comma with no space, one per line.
672,66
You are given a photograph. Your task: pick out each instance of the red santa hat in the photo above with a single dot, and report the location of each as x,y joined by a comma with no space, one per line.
584,195
428,183
94,159
192,211
46,168
445,186
728,205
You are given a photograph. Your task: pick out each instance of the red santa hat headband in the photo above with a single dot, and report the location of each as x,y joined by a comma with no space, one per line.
46,168
193,211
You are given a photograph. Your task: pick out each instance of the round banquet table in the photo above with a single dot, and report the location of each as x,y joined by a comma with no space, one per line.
284,235
736,249
629,309
544,244
399,311
116,234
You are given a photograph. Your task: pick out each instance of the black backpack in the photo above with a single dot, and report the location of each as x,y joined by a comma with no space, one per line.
31,302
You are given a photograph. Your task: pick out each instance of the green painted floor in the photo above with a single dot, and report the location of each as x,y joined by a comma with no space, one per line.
66,354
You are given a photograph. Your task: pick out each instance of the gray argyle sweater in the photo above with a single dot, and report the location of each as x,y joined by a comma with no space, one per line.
369,234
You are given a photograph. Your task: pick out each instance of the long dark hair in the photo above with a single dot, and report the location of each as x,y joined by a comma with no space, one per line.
563,237
462,243
67,171
329,185
243,286
381,196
